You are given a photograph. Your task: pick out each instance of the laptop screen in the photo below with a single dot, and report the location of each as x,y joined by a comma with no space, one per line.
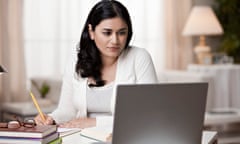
159,113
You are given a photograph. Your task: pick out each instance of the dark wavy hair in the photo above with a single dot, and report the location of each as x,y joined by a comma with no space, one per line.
89,62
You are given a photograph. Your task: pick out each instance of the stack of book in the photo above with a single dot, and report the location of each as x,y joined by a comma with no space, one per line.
40,134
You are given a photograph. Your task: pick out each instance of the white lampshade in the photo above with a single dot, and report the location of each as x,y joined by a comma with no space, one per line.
202,21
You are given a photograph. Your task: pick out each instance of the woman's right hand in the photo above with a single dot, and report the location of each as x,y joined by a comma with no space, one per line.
48,120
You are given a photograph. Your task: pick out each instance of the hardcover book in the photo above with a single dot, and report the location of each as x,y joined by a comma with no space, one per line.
38,131
52,138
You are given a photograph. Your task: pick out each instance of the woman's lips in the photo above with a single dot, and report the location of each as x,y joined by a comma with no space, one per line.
114,48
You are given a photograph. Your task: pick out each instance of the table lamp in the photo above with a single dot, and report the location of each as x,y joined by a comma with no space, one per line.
201,22
2,70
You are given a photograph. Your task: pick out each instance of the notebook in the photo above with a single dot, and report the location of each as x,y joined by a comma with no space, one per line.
159,113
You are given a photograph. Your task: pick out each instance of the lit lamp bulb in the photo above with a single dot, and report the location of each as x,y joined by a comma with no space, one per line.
201,22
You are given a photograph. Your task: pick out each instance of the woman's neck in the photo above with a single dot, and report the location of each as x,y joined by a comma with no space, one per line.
109,62
109,69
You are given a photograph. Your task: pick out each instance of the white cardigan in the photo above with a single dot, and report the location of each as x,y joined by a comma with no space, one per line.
134,66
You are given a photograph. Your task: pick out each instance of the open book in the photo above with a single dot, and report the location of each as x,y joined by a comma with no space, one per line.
97,133
67,131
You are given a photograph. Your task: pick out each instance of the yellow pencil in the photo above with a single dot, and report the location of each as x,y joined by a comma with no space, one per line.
37,106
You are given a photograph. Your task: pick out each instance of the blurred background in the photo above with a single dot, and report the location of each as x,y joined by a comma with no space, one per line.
38,36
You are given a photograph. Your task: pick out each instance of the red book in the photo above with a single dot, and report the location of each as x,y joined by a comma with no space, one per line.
38,131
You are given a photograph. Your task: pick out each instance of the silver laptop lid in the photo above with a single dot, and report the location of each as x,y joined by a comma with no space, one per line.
159,113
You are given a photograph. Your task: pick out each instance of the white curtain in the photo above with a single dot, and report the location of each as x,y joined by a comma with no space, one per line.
179,51
52,30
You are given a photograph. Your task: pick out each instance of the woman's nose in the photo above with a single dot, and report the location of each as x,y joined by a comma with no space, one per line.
115,38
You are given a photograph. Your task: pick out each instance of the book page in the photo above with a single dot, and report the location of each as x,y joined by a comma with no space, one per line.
97,133
67,131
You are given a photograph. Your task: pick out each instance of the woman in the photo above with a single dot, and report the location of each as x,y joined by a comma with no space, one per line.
104,59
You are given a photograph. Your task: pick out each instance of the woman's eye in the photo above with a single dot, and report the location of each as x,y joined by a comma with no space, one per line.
122,33
107,33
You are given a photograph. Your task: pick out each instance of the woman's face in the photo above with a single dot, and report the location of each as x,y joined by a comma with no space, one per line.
110,36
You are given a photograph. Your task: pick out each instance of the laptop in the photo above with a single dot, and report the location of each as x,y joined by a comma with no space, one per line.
171,113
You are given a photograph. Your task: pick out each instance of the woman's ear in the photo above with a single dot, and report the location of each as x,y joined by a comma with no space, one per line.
90,31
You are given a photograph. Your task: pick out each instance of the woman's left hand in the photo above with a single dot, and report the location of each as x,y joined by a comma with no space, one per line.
79,123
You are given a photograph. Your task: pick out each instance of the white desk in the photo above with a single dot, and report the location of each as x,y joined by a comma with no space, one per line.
226,85
209,137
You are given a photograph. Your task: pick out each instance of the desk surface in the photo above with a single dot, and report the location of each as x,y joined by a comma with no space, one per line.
209,137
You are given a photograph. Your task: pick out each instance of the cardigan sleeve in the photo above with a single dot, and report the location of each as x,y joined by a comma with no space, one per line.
65,110
144,67
135,66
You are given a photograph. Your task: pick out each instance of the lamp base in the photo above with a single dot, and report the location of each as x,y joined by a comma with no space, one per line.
203,55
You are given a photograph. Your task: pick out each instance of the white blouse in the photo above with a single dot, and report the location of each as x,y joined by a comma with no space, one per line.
99,100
